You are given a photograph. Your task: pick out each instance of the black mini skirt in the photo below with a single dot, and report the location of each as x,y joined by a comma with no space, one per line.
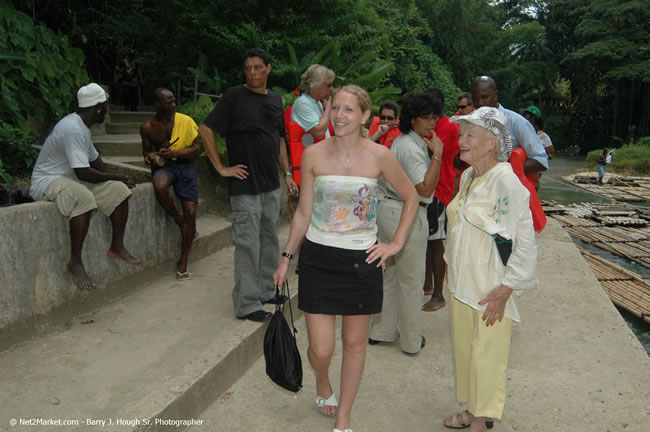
334,281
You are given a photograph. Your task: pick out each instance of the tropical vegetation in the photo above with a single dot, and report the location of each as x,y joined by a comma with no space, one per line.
585,63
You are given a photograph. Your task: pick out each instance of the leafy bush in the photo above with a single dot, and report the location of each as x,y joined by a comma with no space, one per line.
17,156
39,71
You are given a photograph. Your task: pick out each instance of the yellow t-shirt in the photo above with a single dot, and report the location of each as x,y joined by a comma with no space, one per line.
185,131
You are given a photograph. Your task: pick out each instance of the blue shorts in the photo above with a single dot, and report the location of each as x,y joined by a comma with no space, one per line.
182,176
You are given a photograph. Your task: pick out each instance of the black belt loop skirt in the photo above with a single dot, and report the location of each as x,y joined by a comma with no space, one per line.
335,281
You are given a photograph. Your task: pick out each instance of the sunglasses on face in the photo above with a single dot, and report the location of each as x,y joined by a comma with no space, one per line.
462,107
389,118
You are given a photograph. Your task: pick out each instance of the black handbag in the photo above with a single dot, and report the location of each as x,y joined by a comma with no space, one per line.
504,246
283,363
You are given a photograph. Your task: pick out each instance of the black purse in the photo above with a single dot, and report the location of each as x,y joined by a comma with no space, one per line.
283,363
504,246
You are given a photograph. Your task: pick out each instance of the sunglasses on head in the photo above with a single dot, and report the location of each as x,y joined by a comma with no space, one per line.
389,118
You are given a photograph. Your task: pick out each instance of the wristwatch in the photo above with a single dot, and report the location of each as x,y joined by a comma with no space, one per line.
288,174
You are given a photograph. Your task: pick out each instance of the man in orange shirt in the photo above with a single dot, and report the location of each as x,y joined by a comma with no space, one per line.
383,129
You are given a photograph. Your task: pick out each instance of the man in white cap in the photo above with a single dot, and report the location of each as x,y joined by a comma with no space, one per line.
70,172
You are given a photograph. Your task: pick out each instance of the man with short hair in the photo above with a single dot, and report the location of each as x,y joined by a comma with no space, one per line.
384,129
169,142
250,116
523,134
464,104
70,172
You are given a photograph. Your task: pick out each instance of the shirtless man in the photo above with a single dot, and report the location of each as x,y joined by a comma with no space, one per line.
169,142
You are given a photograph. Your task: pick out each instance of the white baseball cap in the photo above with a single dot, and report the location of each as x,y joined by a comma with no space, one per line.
91,95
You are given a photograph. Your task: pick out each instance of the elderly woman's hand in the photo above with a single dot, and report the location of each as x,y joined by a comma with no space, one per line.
496,304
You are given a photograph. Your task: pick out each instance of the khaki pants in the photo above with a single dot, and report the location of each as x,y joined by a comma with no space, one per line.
255,220
480,356
401,311
74,198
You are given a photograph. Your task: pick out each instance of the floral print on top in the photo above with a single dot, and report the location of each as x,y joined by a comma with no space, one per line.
344,204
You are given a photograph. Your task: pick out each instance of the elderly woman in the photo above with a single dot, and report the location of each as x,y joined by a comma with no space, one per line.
491,256
340,261
401,317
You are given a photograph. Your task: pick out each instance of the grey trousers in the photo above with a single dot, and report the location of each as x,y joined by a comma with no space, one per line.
255,220
401,311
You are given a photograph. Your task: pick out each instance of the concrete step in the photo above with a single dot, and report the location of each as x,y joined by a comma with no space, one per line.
118,144
123,128
563,361
166,351
141,108
131,116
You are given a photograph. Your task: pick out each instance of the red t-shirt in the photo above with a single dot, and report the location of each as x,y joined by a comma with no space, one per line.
386,139
448,134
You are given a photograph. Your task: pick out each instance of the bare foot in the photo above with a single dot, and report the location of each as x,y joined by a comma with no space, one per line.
196,235
434,304
80,277
123,255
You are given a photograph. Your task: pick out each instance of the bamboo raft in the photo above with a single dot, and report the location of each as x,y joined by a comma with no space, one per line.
626,289
617,228
619,188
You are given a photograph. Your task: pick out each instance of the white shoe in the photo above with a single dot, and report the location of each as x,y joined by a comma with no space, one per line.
322,402
339,430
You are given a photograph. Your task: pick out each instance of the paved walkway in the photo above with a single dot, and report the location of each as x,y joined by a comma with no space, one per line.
171,349
575,366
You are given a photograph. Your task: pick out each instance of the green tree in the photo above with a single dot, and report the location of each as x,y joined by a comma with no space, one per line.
607,59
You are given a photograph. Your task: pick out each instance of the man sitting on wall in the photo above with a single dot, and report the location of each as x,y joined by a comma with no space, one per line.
70,172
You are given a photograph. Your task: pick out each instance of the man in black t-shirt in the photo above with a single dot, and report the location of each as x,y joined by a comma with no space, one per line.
250,116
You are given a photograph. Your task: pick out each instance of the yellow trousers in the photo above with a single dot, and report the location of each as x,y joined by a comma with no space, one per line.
480,356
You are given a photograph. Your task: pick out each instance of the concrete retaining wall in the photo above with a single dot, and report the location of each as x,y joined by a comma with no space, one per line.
35,248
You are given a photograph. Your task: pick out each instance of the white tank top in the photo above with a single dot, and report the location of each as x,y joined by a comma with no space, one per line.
344,212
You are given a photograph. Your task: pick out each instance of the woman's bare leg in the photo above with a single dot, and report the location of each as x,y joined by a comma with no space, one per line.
354,335
321,332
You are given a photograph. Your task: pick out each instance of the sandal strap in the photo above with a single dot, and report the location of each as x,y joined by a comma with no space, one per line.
466,420
331,401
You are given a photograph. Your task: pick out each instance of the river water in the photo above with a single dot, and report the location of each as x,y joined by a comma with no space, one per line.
554,188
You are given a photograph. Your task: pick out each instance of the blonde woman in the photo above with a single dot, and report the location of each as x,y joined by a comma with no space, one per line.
340,261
